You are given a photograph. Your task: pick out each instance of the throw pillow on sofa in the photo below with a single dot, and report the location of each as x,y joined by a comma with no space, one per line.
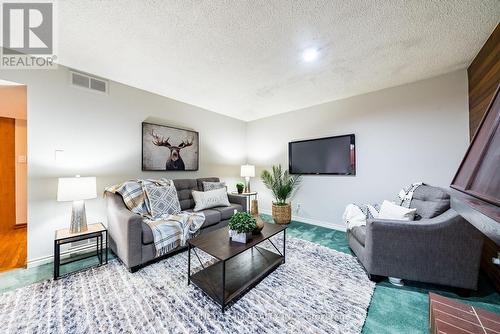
162,200
210,199
207,186
389,210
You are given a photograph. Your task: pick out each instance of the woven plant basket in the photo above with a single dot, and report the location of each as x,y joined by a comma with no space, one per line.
282,214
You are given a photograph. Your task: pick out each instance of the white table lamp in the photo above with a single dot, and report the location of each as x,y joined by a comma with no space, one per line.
247,171
77,189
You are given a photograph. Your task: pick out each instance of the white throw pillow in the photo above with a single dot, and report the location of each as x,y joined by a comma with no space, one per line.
210,199
389,210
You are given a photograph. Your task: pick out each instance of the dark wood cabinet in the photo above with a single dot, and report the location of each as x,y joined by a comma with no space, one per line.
477,186
479,172
478,177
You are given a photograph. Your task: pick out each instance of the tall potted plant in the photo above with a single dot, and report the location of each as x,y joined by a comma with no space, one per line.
282,185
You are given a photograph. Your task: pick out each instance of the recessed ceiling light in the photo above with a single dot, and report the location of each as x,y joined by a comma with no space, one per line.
310,54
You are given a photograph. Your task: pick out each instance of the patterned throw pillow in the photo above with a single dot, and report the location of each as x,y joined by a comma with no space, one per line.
162,200
207,186
210,199
134,194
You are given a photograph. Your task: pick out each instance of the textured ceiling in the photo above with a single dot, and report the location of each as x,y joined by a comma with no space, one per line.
243,58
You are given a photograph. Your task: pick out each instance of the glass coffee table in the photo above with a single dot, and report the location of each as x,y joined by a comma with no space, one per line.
239,267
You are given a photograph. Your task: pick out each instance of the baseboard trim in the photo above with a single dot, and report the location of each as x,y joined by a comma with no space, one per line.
311,221
84,249
50,258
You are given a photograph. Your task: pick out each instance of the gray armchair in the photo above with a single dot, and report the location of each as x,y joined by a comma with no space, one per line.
440,247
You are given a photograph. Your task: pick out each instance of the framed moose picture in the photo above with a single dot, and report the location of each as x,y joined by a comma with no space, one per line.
166,148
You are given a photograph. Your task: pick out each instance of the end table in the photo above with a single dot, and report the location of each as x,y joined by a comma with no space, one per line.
248,198
64,236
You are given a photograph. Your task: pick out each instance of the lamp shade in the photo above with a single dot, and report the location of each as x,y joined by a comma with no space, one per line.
247,171
76,188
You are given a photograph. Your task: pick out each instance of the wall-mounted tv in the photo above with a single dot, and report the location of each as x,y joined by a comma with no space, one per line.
331,155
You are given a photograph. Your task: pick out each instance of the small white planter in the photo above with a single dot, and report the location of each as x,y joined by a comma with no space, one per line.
240,237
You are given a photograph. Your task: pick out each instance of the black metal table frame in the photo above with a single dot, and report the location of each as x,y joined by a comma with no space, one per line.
224,304
101,252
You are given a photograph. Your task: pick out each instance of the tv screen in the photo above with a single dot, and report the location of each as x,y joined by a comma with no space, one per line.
332,155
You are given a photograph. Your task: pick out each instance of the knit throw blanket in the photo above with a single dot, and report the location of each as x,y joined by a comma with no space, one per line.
356,215
406,195
133,194
169,231
172,231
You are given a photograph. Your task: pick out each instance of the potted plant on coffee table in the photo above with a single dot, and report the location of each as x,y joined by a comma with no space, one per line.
241,226
282,185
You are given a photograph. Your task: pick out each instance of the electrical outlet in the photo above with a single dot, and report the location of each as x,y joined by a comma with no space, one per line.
297,208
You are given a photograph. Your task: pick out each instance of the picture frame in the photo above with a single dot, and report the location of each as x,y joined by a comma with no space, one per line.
168,148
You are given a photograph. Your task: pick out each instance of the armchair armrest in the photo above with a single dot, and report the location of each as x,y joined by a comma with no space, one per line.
238,199
446,246
125,231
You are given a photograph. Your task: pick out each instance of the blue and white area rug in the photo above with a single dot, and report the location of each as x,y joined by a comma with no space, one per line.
318,290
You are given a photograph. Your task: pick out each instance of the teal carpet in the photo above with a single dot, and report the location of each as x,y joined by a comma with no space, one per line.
392,310
395,309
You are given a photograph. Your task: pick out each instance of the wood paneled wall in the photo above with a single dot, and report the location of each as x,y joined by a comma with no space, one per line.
7,175
484,77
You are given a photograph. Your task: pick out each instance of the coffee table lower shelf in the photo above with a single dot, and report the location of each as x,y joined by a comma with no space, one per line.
241,272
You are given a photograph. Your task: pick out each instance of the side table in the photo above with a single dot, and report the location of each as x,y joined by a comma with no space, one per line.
64,236
248,197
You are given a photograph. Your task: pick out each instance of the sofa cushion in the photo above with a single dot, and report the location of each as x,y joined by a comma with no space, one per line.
227,212
184,188
205,179
147,234
359,233
212,217
430,201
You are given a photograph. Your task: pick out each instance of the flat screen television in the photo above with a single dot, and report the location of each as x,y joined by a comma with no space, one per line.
331,156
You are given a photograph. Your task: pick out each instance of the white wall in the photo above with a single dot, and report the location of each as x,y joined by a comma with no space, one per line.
404,134
415,132
101,136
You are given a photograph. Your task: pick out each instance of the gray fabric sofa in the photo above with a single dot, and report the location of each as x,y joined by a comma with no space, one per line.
440,248
132,240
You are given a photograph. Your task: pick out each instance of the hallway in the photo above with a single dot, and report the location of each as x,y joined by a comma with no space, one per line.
13,176
13,249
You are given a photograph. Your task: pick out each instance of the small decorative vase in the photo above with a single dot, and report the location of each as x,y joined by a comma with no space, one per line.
254,208
240,191
240,237
254,211
282,214
259,225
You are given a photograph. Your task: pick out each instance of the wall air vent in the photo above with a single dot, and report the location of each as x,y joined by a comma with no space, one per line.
86,81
